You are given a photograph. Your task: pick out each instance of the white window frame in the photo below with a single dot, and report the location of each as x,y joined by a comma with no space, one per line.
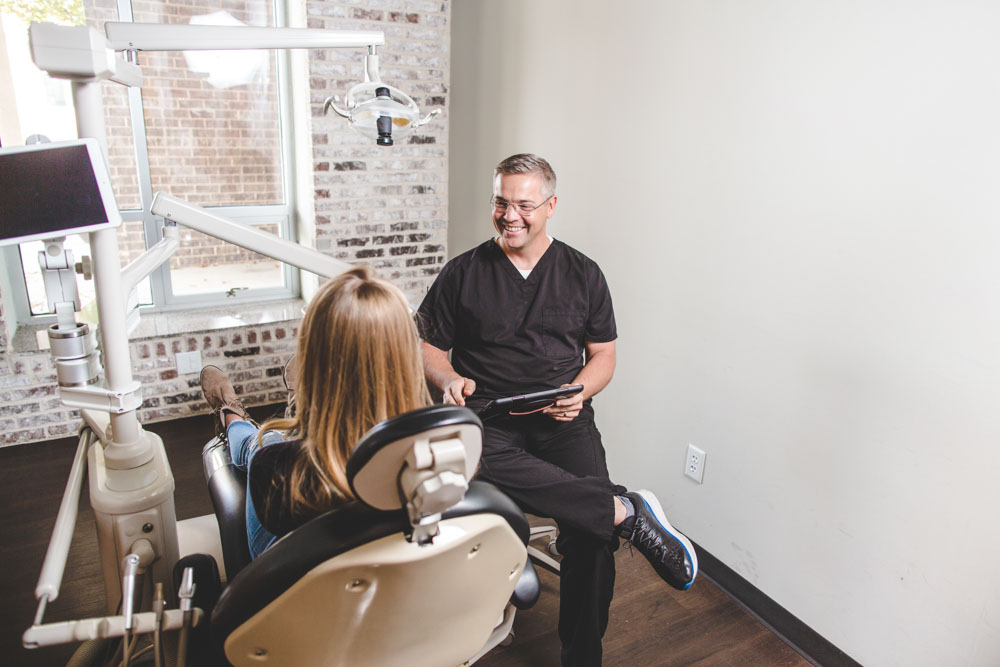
283,215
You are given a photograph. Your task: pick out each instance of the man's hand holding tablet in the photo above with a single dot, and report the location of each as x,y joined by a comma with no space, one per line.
563,403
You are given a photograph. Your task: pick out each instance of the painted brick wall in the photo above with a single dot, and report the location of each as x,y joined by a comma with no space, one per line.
253,356
387,208
383,206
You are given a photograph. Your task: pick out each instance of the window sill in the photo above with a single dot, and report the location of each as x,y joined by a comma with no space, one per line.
32,338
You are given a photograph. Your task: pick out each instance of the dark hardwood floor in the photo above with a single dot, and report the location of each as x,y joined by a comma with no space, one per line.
651,623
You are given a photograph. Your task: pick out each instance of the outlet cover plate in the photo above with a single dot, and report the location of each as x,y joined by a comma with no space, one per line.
188,362
694,463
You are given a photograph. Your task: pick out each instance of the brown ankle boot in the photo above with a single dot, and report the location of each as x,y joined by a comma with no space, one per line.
221,397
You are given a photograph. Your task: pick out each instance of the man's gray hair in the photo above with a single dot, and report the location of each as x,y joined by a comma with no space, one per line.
528,163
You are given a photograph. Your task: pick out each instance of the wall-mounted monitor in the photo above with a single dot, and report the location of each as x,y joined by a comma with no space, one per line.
54,189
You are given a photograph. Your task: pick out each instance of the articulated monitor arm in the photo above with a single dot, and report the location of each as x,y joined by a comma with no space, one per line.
245,236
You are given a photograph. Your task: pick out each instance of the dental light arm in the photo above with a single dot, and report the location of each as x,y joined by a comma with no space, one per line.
74,52
69,52
181,37
147,262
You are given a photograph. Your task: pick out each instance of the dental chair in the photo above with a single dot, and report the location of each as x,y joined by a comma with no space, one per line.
427,569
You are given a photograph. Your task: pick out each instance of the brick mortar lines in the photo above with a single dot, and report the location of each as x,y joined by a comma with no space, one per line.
253,357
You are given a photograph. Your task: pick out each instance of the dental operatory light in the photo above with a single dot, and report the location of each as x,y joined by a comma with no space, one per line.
377,110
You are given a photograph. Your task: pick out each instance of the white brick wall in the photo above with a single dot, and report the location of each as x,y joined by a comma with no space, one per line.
385,207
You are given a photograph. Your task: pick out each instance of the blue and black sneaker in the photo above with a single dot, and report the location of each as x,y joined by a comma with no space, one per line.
670,553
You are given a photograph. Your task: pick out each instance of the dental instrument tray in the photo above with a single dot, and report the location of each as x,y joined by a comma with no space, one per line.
526,403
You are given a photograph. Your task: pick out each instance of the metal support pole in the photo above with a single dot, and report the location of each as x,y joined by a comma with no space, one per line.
125,448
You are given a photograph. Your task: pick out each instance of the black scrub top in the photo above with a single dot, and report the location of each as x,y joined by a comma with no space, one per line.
513,335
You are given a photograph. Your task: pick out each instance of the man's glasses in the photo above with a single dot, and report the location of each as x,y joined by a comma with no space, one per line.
524,208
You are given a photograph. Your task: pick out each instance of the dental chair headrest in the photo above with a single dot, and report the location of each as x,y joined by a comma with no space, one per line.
421,460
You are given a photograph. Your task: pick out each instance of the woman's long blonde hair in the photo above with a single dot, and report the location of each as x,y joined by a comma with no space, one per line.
358,363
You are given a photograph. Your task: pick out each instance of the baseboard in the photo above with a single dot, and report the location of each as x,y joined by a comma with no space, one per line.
807,642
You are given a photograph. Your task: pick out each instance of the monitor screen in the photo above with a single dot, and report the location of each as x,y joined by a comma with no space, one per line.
54,189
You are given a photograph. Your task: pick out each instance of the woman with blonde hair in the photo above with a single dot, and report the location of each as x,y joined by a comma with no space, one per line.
357,363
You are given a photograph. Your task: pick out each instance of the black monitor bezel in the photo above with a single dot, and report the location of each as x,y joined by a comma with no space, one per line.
102,177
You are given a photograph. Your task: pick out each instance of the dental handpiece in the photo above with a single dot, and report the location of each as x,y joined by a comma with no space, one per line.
130,567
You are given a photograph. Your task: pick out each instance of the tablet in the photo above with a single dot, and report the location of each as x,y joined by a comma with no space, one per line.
527,402
54,189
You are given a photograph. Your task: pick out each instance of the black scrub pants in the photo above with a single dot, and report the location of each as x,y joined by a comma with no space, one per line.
558,470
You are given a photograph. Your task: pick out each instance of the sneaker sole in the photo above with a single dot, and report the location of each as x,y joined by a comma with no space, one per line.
654,507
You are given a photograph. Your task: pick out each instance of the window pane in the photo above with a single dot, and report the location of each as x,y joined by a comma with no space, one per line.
212,117
216,147
214,138
203,264
32,102
121,144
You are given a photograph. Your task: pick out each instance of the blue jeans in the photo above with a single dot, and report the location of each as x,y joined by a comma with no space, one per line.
243,446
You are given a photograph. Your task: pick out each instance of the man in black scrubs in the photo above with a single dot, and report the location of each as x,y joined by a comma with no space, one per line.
524,312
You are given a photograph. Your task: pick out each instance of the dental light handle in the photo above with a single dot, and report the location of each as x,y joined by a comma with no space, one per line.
426,119
343,113
330,104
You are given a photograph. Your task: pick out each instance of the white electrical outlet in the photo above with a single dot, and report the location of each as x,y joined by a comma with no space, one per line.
188,362
694,464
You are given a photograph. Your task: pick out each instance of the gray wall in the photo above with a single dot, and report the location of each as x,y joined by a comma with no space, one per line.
796,207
